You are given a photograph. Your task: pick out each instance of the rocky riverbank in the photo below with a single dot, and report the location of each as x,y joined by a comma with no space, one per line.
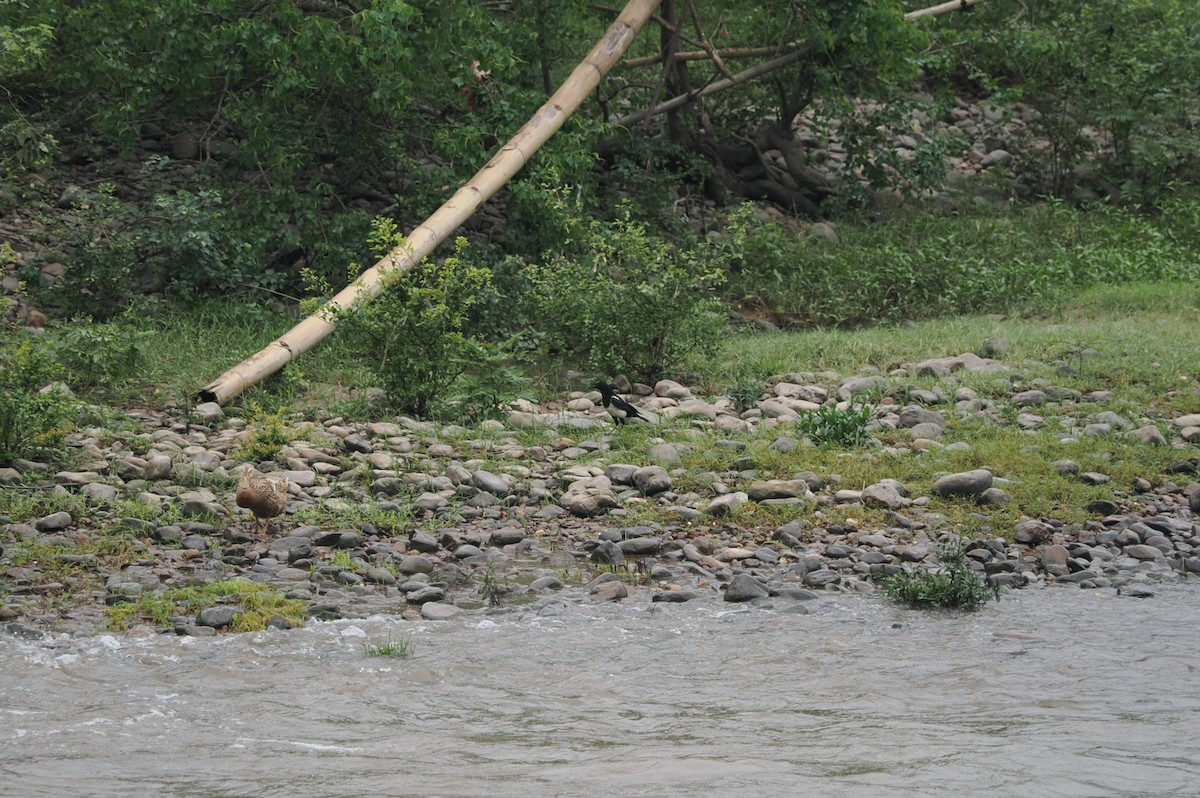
536,512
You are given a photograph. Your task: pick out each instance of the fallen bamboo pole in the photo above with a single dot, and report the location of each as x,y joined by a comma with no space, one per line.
446,219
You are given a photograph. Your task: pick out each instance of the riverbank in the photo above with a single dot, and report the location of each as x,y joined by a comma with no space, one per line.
1045,483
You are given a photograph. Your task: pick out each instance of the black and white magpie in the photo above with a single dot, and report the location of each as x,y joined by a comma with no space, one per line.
620,410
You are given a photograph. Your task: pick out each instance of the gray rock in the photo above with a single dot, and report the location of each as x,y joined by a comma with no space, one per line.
620,473
217,617
378,576
208,412
913,415
357,443
468,550
927,431
1029,398
640,546
995,496
1194,500
424,542
744,587
589,497
856,385
54,522
416,564
100,492
776,489
437,611
969,483
727,504
608,553
487,481
916,552
665,454
425,594
996,157
1113,420
1142,551
76,477
507,536
1054,560
822,577
883,495
1149,434
1032,532
199,503
608,591
673,596
651,480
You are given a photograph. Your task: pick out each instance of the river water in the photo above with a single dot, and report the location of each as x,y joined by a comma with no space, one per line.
1055,692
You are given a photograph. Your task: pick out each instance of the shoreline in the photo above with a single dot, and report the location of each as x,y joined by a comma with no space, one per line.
428,521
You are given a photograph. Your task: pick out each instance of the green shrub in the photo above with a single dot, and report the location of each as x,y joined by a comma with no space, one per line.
416,335
35,416
619,299
954,584
104,354
836,427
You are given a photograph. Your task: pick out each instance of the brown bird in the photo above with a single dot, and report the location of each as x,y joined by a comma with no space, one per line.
264,496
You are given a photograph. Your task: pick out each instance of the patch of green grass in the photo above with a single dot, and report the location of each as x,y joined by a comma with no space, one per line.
389,648
1139,340
836,427
257,605
922,264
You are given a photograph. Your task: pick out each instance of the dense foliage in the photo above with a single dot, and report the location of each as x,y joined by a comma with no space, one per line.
230,148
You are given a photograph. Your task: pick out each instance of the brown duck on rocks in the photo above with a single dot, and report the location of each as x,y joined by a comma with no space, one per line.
264,496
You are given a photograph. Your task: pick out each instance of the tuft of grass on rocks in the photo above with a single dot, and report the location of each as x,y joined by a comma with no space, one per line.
257,605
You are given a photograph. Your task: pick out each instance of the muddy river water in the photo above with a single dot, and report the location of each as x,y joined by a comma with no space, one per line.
1052,692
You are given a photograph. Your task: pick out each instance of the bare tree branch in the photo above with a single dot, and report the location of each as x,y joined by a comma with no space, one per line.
704,55
767,67
720,85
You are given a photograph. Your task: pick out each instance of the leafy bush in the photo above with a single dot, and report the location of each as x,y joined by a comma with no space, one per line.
416,335
100,354
836,427
621,300
954,584
35,416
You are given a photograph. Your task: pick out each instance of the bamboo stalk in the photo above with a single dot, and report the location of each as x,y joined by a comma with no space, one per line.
457,210
943,8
